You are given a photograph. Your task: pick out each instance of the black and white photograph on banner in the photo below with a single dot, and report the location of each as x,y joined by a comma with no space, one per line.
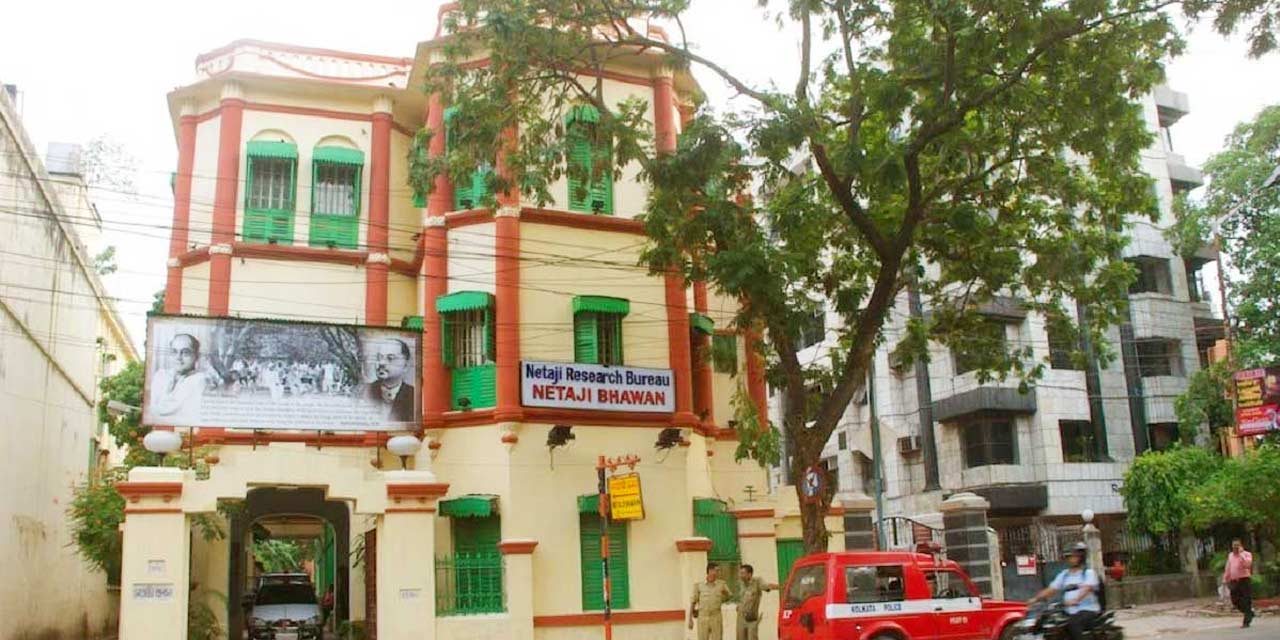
259,374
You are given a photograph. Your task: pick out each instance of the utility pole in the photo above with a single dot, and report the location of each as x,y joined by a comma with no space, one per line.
877,461
604,466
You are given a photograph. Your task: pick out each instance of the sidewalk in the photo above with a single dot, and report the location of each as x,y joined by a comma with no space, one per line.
1168,619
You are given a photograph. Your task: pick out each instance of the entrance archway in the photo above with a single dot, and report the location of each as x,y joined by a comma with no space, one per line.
262,502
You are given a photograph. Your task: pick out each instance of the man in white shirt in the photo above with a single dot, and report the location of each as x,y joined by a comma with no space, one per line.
1079,586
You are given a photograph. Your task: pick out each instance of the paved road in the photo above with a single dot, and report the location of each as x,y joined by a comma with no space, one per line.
1167,627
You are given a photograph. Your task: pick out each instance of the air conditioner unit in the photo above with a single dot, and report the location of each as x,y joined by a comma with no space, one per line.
909,445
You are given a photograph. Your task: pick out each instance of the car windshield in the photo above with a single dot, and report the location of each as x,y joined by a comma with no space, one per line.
806,583
286,594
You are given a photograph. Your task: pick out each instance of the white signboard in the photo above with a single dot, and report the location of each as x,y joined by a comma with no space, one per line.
262,374
1026,565
591,386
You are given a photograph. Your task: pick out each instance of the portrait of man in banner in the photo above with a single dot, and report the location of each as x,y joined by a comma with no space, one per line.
260,374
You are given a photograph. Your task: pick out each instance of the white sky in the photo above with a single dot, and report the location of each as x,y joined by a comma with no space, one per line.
92,68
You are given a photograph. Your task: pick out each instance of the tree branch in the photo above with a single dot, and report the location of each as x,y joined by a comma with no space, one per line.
938,127
806,46
853,211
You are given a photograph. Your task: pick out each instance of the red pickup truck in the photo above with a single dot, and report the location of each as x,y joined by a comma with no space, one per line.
889,596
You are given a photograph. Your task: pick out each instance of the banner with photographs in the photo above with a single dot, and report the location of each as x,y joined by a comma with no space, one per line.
1257,400
266,374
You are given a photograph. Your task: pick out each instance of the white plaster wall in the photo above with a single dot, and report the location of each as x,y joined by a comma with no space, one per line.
204,181
319,292
471,257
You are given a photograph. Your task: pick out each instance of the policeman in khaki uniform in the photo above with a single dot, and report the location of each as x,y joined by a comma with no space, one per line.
708,596
749,606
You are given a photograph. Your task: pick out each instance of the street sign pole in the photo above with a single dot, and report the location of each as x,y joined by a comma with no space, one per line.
603,467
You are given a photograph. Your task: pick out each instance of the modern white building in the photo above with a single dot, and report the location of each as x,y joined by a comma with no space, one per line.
1041,457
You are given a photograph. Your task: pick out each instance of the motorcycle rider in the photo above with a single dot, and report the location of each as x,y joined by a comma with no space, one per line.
1081,603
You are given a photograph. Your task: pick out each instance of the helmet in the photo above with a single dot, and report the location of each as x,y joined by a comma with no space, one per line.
1081,549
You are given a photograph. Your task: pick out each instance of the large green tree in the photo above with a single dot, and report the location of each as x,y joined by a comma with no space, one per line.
1159,489
1250,236
968,150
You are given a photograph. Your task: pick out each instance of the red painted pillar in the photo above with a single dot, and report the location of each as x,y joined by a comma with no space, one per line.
506,247
704,392
435,274
375,292
181,210
664,126
231,118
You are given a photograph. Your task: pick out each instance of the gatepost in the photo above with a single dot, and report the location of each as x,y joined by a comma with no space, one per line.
154,569
406,572
859,526
964,518
517,555
693,565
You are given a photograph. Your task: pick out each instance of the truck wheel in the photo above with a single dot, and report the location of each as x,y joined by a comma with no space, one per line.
1010,631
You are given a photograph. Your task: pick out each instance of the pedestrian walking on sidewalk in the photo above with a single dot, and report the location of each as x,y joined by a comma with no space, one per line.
749,606
1238,576
708,596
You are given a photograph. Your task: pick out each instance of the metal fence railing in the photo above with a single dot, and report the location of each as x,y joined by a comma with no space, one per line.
469,584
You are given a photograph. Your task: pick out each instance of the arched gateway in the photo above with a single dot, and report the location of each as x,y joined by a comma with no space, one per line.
156,569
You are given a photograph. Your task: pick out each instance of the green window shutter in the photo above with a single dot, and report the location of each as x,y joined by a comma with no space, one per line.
619,569
447,323
579,176
712,520
586,342
490,335
477,384
337,231
788,552
602,185
477,535
255,226
724,353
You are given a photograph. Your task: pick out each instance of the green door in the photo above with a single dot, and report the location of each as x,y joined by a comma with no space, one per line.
788,552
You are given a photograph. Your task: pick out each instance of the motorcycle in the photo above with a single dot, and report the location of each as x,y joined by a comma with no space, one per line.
1047,620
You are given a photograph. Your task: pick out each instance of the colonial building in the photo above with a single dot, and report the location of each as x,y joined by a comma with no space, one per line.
60,334
1040,458
292,204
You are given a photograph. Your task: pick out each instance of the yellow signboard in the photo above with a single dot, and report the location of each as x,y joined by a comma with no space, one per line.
625,500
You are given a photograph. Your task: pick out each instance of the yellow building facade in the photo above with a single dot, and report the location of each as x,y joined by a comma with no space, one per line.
490,531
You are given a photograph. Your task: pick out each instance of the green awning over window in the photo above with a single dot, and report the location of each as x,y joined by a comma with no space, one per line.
582,113
464,301
601,304
469,507
411,322
269,149
702,323
589,503
338,155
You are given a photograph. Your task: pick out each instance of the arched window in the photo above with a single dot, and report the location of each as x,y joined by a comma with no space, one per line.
590,162
270,189
335,196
